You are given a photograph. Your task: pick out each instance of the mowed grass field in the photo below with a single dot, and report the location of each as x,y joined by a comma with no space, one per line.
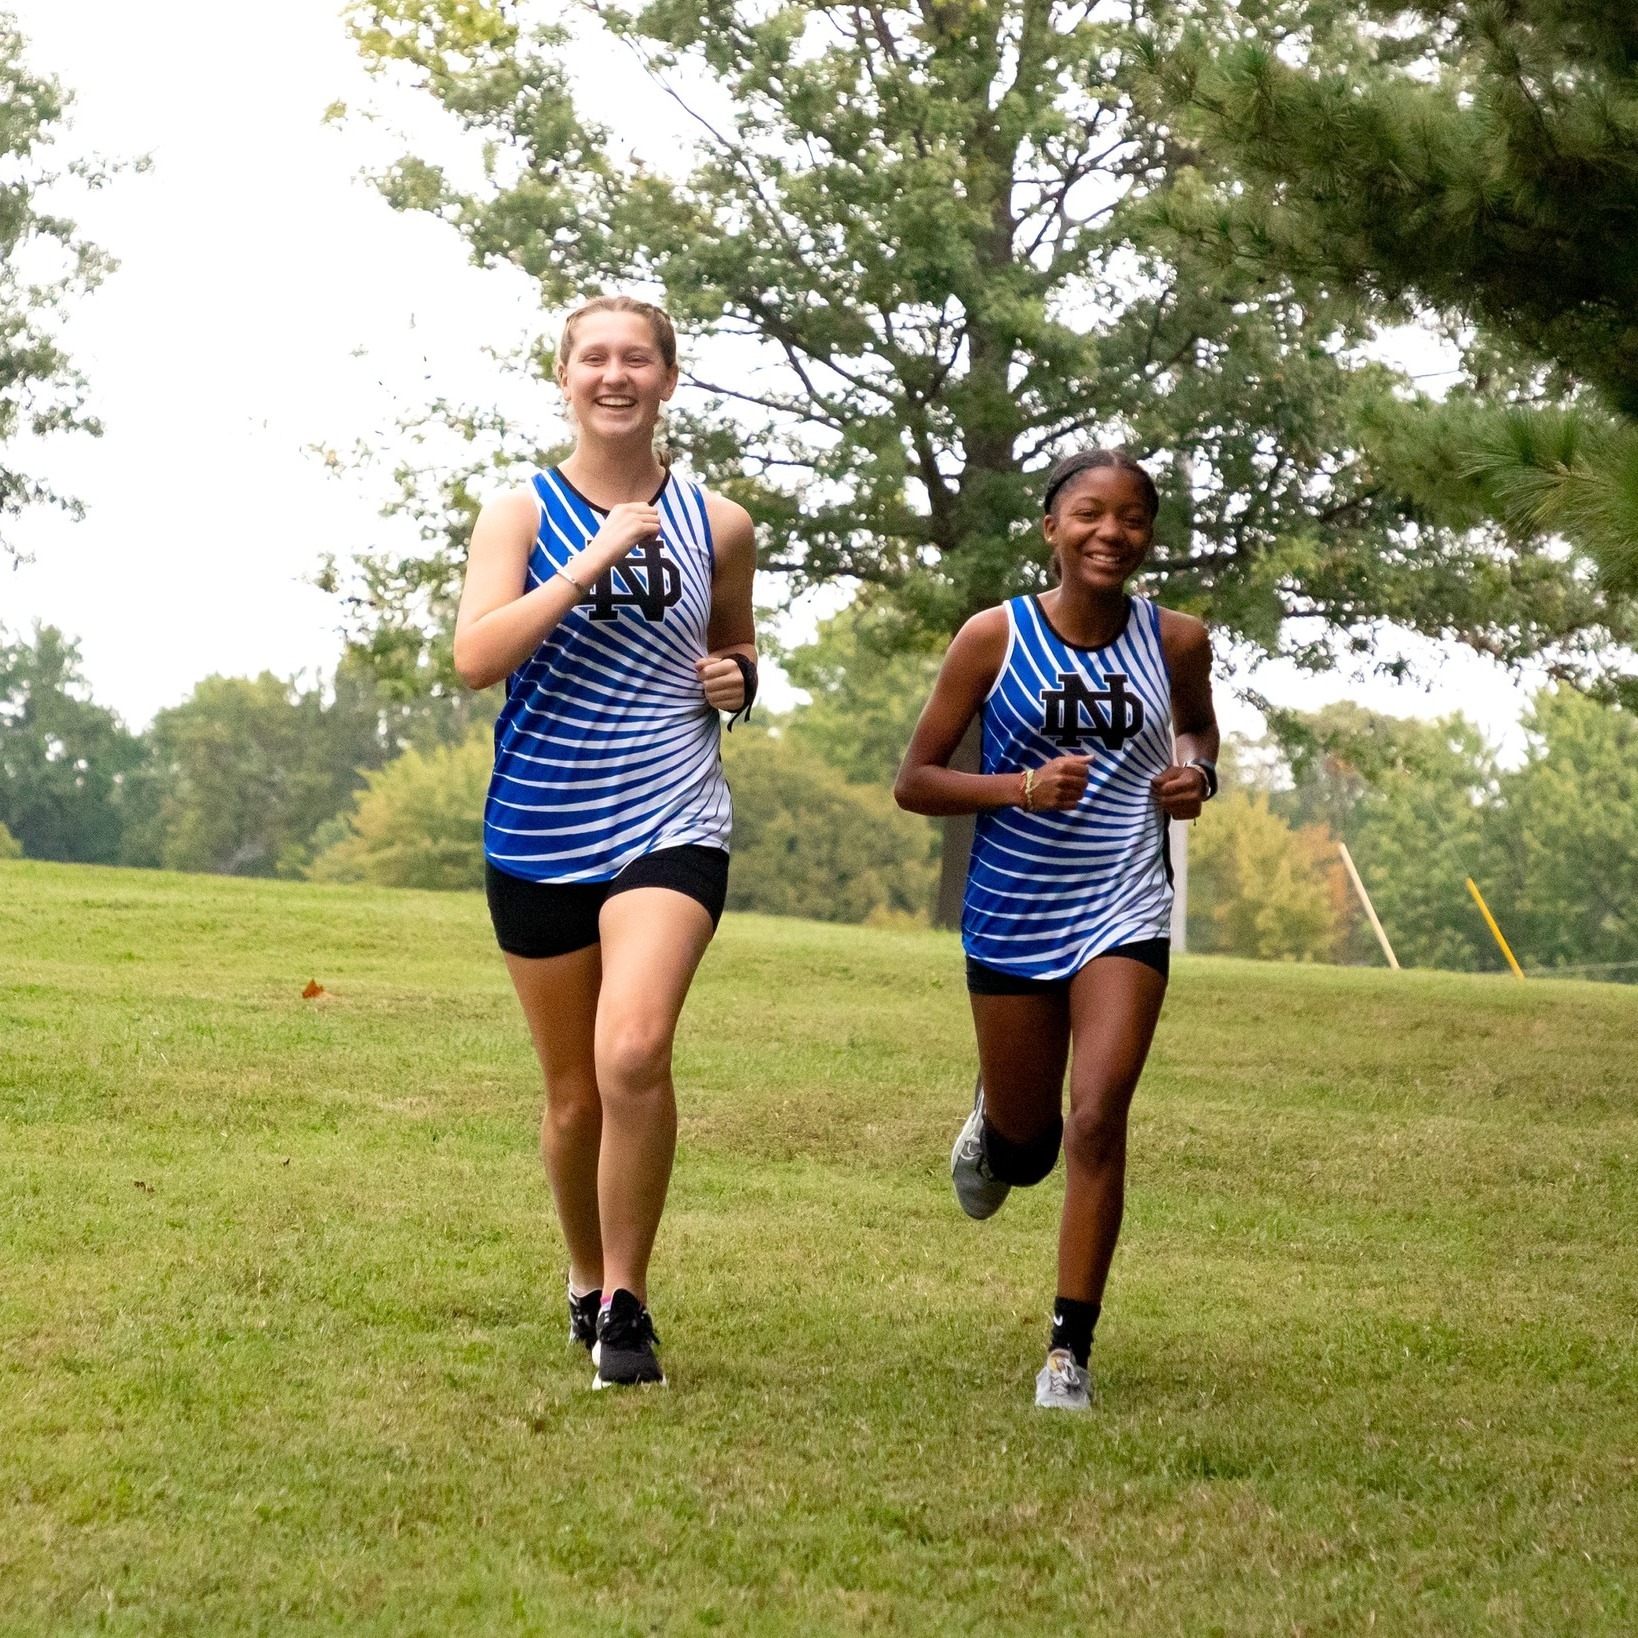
281,1343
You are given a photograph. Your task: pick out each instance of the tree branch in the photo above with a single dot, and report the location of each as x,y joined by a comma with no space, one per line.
778,406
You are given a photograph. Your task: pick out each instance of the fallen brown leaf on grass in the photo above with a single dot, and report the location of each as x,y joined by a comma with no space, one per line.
314,989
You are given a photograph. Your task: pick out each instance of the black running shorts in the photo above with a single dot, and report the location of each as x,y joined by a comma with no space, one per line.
982,980
541,919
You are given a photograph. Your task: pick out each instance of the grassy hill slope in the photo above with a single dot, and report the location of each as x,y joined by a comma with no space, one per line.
281,1344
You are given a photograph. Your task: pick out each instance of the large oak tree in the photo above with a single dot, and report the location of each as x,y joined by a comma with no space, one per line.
917,254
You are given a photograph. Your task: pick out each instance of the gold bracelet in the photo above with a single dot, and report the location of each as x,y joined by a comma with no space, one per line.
585,591
1029,790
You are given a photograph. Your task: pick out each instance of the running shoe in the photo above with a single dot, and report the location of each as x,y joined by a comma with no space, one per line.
624,1354
1061,1384
583,1318
979,1193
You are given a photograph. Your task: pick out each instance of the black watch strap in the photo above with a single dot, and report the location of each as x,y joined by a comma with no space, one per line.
747,671
1209,769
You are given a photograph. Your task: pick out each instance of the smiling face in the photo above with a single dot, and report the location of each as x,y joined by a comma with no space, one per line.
1100,527
614,376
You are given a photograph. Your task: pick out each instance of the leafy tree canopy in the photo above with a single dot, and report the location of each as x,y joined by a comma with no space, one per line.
807,842
1553,843
1424,822
239,776
866,690
913,253
417,823
1566,851
63,758
1259,887
43,263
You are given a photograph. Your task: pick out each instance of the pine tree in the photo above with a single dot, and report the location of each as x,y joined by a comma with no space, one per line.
1486,167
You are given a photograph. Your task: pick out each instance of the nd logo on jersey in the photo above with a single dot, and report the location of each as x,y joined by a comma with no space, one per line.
1112,715
651,583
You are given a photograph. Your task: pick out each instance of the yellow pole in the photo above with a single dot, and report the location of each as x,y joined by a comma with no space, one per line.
1490,922
1370,909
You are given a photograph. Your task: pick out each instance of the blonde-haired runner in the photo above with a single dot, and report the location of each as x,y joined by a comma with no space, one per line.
614,596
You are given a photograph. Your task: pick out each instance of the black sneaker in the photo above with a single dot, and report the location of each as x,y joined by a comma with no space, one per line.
583,1318
624,1354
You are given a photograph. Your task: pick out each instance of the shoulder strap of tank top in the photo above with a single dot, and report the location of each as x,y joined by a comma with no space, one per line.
683,500
1011,606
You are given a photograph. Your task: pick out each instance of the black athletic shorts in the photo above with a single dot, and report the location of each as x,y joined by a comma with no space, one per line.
982,980
539,919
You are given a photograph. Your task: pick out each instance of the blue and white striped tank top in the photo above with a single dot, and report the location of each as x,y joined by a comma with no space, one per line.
1046,892
606,749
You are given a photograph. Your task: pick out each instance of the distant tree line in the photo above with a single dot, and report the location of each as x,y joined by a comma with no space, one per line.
1423,806
266,777
238,779
352,781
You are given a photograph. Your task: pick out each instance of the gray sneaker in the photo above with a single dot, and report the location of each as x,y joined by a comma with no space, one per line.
979,1193
1061,1384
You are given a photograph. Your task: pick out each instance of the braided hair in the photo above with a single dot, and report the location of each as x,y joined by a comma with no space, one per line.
1087,460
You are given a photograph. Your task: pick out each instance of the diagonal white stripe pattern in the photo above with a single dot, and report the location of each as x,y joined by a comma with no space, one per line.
606,749
1046,892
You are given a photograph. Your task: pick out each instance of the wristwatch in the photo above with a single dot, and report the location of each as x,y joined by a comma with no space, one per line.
1209,769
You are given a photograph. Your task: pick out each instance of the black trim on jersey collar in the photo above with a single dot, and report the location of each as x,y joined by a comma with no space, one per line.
603,511
1081,648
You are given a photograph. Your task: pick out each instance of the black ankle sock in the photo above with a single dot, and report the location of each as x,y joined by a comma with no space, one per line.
1072,1326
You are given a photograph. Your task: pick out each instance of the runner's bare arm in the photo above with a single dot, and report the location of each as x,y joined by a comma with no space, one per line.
499,625
1181,790
733,621
926,782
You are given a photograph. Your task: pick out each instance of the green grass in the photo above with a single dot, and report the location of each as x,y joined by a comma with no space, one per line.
281,1347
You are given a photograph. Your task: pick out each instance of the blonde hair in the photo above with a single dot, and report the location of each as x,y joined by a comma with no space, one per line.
659,321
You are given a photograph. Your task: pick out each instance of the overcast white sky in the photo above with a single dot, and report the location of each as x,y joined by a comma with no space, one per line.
268,301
